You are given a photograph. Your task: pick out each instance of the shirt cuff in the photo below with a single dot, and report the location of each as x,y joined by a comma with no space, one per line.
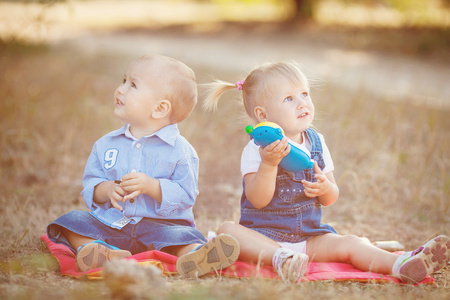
88,193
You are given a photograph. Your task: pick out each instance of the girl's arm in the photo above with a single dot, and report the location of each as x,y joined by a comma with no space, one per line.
260,186
333,192
325,188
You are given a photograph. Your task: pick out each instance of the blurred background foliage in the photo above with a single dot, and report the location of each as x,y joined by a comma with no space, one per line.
141,13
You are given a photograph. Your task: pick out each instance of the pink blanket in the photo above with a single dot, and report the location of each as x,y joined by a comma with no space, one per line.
166,262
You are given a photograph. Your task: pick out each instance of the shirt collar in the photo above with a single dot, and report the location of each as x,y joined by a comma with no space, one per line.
168,133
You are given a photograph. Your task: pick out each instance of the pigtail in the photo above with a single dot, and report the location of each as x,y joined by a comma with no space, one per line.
213,92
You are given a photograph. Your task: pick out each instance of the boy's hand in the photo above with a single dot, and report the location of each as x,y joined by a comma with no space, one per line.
134,184
273,153
117,195
320,187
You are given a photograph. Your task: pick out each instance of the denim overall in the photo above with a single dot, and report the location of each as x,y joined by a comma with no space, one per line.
291,216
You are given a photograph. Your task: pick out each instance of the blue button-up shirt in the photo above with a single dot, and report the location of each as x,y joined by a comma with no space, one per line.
164,155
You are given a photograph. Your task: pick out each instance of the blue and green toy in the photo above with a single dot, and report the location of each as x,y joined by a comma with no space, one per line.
266,133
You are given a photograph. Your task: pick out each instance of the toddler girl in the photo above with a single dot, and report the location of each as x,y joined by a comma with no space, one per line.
281,213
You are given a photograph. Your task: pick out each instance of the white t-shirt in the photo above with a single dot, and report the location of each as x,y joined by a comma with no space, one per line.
251,159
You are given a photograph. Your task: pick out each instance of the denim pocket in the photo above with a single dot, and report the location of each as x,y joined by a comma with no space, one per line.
288,189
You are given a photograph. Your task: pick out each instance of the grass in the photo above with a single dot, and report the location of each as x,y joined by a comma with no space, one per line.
391,159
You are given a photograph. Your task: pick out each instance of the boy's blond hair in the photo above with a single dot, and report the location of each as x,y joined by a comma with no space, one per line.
256,86
178,85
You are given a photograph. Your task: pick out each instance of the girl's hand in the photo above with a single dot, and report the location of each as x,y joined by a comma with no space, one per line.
273,153
134,184
322,186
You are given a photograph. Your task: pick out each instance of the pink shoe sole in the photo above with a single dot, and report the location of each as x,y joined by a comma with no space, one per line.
431,257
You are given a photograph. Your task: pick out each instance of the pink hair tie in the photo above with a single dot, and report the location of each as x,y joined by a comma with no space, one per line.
239,85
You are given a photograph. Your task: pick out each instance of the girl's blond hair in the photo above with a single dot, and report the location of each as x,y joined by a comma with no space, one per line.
256,88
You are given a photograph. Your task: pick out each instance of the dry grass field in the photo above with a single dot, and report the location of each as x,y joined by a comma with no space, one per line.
391,154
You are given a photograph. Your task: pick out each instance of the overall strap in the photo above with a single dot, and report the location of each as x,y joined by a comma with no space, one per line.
316,145
316,153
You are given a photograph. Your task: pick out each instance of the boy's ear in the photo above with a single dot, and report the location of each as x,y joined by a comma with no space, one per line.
260,114
162,109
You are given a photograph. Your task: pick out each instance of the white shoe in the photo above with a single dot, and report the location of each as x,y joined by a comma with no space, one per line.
297,268
414,266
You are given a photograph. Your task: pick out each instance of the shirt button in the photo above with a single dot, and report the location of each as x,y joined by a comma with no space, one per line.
138,145
131,200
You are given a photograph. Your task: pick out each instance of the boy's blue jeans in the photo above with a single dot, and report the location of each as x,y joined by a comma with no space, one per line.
148,234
